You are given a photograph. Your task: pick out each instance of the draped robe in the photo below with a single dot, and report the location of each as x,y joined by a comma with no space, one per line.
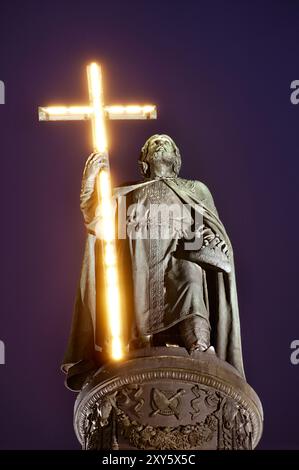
160,287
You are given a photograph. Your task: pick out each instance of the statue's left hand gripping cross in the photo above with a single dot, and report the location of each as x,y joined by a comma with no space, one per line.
97,113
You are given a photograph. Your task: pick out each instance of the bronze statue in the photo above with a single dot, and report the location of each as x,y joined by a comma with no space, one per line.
175,263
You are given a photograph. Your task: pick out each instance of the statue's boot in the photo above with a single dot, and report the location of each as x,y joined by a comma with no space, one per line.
195,332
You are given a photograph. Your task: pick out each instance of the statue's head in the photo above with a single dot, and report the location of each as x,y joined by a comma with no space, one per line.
159,151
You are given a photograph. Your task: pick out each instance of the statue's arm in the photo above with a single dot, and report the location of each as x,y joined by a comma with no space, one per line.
214,252
206,197
88,195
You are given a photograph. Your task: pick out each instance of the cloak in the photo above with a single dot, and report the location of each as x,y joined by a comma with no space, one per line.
85,350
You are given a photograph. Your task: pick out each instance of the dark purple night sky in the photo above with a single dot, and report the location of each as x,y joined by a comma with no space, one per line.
220,73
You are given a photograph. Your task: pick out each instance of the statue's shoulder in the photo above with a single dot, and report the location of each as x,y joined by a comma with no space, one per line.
127,188
200,190
197,187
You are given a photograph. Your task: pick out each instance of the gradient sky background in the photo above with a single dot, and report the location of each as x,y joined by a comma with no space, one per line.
220,73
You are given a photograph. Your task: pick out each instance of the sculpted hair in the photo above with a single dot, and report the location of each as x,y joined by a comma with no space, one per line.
143,164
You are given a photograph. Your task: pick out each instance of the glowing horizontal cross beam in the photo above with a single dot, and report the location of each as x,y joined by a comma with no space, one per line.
81,113
98,113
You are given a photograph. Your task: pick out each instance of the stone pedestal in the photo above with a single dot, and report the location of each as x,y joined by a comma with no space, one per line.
163,398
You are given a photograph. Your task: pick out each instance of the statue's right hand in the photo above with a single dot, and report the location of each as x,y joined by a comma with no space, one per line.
94,163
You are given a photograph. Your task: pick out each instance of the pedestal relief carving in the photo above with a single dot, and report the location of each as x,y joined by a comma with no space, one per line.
168,402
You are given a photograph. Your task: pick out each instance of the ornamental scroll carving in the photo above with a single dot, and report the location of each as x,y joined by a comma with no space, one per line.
215,417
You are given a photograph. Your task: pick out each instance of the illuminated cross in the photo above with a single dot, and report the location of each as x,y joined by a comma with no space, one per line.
97,113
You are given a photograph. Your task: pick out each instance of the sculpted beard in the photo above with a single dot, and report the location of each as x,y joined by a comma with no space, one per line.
162,154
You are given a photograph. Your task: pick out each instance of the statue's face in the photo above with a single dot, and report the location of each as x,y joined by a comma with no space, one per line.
160,148
160,157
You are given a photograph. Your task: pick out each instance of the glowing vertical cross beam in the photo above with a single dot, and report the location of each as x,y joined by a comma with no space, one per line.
97,113
107,214
95,87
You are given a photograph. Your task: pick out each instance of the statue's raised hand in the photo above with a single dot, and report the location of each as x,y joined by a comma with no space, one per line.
88,200
94,164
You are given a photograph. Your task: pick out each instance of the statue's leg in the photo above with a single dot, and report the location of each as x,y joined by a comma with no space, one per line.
186,301
195,332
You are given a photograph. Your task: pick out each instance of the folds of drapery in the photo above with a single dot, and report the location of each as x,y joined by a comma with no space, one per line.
83,353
